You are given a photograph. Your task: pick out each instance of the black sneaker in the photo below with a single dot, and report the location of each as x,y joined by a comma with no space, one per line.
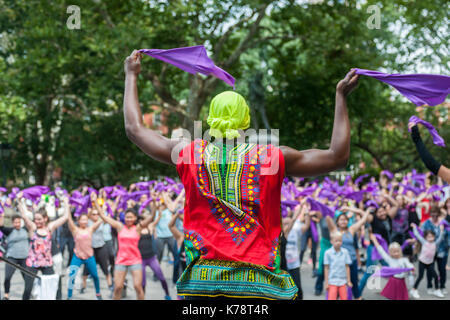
82,290
317,292
99,297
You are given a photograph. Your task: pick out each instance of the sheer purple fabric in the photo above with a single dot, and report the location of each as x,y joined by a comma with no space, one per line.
383,244
360,178
437,139
34,193
420,89
388,174
191,59
318,206
387,272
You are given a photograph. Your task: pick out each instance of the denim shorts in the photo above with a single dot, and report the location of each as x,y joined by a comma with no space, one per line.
133,267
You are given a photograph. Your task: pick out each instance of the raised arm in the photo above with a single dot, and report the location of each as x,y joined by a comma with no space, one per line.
115,204
176,233
52,226
393,211
72,227
386,257
144,223
149,141
434,166
113,223
357,225
96,224
441,235
315,162
331,225
171,205
289,226
417,234
31,227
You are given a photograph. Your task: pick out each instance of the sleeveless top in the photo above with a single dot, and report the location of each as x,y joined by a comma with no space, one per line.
146,246
83,245
128,253
232,221
40,253
348,242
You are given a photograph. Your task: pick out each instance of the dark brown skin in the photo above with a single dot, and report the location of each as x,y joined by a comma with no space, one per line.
304,163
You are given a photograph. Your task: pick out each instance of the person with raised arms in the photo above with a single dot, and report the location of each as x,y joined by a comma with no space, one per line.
83,251
128,255
432,164
233,192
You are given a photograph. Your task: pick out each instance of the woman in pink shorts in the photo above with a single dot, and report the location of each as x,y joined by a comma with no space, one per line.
128,255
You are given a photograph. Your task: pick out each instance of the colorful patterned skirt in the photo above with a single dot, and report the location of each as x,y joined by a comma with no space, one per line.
213,278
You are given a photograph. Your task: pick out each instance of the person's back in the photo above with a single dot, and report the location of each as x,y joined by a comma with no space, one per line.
233,224
232,219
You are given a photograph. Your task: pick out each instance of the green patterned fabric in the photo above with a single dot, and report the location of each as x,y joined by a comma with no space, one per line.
235,279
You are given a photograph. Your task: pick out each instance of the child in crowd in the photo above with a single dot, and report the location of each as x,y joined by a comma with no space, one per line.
337,263
396,288
426,260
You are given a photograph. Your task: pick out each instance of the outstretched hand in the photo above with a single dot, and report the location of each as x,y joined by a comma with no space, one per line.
132,64
349,83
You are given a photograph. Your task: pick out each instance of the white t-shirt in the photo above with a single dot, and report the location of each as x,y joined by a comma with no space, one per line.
292,246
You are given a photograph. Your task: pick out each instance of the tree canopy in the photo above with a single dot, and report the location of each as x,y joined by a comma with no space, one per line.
61,89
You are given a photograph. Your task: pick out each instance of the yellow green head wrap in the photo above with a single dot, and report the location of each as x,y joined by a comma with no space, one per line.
228,113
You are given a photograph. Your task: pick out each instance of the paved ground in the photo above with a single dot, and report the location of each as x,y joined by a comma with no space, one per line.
154,290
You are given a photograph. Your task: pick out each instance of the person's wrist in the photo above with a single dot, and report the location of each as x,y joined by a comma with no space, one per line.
340,93
131,75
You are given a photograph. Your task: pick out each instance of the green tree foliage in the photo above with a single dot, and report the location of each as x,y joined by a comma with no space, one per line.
61,90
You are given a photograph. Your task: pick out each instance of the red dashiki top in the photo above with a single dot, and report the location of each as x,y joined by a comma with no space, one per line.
232,221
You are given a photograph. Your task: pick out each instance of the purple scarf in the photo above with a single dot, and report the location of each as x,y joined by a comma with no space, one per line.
357,196
360,178
420,89
383,244
388,174
318,206
387,272
306,192
314,233
34,193
191,59
437,139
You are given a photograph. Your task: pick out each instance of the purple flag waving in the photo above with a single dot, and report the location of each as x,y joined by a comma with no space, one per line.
420,89
383,244
318,206
34,193
191,59
437,139
387,272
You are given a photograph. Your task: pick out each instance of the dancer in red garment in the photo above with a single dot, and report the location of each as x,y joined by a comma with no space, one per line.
232,215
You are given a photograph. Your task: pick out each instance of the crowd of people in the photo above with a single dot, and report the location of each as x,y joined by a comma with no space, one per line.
394,226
